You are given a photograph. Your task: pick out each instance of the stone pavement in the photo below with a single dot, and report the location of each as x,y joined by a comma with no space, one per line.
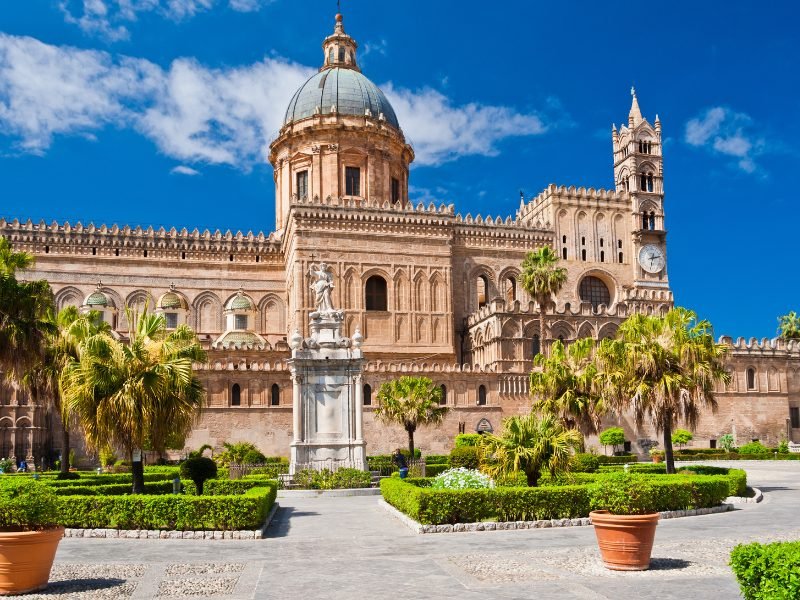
351,548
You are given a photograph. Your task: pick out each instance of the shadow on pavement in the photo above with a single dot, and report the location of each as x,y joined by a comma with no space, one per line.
75,586
668,564
775,489
281,522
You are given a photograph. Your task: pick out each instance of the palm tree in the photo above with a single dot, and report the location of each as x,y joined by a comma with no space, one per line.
23,307
410,402
789,328
671,365
69,329
564,384
133,395
541,278
529,444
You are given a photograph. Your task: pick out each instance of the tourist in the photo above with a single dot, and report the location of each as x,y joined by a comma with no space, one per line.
399,459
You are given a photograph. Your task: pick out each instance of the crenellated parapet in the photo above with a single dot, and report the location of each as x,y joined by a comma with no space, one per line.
534,211
499,307
126,241
428,369
762,347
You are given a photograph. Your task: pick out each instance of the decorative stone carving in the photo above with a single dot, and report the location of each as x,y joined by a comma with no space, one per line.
315,149
333,147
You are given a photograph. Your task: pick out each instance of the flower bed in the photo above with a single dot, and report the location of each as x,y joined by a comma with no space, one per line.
416,499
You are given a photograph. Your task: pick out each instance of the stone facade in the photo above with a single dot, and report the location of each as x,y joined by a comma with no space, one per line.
433,292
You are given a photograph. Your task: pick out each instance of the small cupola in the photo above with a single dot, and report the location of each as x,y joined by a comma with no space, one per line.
100,302
340,49
174,307
240,314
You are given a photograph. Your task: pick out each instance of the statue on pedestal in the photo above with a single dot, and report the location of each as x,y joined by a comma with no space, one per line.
322,284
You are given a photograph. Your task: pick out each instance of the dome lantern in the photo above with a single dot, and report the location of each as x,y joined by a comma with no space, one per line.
339,49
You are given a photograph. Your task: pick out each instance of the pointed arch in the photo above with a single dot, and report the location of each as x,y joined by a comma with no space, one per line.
271,315
68,296
401,291
438,303
420,292
586,330
349,289
207,313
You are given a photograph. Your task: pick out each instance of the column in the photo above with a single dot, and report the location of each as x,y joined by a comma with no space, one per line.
296,408
12,452
359,407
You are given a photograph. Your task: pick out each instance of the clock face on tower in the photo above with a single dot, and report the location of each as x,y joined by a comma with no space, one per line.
651,258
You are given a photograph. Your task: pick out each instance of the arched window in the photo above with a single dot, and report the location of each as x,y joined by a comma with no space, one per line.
443,399
367,394
375,292
652,220
583,254
751,378
483,290
330,56
594,291
341,54
5,442
649,182
482,395
644,220
537,345
236,395
511,290
275,395
564,253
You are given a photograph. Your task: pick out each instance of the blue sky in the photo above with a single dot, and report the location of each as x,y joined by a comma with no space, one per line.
158,112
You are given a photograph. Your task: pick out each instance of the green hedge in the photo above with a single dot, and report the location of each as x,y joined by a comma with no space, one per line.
111,479
768,571
430,506
182,512
225,487
434,469
736,478
617,460
114,489
437,459
739,456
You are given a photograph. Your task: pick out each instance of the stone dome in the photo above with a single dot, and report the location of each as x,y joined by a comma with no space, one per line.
240,302
344,88
98,298
172,300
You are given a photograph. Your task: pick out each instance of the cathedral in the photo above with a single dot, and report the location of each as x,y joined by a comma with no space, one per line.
433,292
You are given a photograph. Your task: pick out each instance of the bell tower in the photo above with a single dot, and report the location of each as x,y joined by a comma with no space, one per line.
639,172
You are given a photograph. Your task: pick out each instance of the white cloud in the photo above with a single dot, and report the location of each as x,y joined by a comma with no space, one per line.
184,170
200,115
441,132
110,18
723,131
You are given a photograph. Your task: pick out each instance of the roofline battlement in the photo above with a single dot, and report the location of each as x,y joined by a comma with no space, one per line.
763,346
497,307
78,235
580,194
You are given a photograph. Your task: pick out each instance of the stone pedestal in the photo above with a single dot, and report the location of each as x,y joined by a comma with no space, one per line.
327,397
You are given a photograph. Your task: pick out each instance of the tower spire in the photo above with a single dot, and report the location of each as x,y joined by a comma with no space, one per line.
635,116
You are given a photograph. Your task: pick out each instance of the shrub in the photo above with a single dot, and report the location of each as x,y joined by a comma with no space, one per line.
198,469
468,439
613,436
461,479
253,457
436,469
68,475
623,494
681,437
436,459
754,448
767,571
236,453
107,457
465,456
113,489
26,505
183,512
347,478
584,463
783,446
617,460
726,442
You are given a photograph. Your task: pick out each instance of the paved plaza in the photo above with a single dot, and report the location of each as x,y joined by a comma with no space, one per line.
350,547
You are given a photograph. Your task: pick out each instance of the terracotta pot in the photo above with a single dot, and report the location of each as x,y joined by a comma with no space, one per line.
657,459
625,540
26,558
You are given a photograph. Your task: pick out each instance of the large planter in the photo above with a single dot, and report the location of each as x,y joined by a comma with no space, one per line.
26,558
657,458
625,541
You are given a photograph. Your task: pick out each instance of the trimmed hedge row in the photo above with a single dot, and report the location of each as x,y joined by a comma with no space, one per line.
434,507
111,479
767,571
181,512
736,478
435,469
114,489
738,456
617,460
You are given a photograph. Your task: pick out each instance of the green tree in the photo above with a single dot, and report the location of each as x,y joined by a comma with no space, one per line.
529,444
134,395
411,402
23,310
68,330
789,326
564,383
614,437
670,366
681,437
541,278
